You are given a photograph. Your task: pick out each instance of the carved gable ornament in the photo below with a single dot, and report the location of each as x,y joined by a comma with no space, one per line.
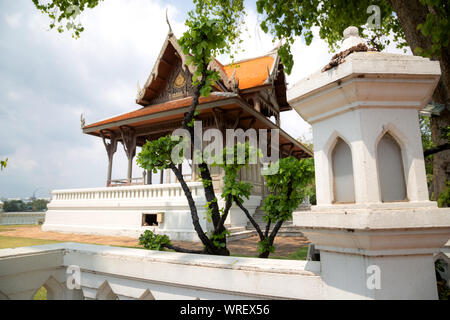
178,85
179,81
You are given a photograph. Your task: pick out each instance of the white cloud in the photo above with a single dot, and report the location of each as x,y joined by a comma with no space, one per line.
13,20
22,159
47,79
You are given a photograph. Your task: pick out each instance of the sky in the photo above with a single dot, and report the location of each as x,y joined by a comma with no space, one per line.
47,80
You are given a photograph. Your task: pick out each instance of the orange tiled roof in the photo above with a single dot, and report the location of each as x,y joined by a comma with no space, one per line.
250,73
170,105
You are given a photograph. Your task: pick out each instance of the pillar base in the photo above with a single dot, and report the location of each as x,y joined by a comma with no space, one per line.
378,253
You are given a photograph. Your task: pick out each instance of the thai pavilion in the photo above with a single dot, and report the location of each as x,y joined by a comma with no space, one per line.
250,94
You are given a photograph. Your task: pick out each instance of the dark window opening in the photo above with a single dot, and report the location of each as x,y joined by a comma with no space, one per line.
149,219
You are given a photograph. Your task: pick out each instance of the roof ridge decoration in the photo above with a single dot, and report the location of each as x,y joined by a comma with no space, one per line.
277,47
273,72
82,121
217,66
234,82
168,23
270,53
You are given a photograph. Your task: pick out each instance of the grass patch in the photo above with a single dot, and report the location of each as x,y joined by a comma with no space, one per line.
11,227
15,242
41,294
130,247
300,254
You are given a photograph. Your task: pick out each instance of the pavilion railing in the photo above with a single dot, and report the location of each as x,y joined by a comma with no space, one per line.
127,192
141,181
125,182
13,218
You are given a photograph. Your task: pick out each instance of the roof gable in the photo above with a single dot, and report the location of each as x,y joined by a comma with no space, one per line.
170,63
171,77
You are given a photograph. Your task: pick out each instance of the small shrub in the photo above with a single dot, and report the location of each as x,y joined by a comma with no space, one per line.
443,289
153,241
444,197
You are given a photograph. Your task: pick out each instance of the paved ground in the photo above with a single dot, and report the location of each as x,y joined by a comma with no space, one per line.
284,245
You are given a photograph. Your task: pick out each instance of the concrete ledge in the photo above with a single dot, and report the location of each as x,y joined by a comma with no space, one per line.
363,219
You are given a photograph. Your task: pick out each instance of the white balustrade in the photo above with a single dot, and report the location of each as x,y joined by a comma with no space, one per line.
103,272
13,218
127,192
120,211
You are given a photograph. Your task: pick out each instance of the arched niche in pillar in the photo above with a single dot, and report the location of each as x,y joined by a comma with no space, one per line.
54,290
104,292
342,169
391,173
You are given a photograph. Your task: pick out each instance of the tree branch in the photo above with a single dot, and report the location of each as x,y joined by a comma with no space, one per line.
275,231
183,250
442,147
266,232
210,194
228,204
250,218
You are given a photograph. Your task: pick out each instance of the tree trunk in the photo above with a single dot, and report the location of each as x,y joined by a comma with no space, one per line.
205,174
202,167
441,160
194,215
410,14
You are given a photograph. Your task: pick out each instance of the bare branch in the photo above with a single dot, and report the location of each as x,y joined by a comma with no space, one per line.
250,218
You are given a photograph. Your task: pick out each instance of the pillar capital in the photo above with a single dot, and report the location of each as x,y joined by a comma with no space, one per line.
128,139
111,148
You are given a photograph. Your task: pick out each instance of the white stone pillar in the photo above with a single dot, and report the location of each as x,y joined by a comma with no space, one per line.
371,248
168,175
